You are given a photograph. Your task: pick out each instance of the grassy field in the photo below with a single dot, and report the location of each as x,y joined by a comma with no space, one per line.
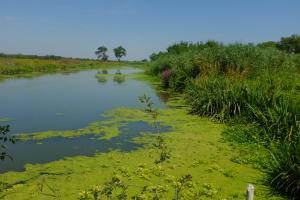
14,66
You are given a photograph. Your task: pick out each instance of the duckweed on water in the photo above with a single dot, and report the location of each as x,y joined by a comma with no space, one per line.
59,114
105,129
196,149
6,119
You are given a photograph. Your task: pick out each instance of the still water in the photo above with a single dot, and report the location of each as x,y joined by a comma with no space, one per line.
68,101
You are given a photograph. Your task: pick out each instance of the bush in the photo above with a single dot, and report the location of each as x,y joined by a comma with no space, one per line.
161,64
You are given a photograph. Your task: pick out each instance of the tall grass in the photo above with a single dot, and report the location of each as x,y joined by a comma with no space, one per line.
244,84
235,60
284,173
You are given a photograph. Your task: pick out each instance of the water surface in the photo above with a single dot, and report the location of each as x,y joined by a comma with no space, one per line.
64,102
52,149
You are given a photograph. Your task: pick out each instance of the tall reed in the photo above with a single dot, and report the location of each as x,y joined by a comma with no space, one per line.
244,84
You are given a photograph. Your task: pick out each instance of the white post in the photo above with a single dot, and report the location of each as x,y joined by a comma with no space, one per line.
250,192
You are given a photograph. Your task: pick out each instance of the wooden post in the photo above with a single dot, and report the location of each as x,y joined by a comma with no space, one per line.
250,192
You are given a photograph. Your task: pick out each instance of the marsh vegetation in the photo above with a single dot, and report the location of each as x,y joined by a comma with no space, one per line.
254,89
214,118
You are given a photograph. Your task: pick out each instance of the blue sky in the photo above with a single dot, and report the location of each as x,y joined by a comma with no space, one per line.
77,27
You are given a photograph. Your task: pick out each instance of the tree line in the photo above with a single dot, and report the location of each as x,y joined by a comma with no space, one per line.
289,44
119,52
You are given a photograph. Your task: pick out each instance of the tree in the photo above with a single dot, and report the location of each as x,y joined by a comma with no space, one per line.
120,52
290,44
101,53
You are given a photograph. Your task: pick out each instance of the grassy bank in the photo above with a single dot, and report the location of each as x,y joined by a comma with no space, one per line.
254,89
13,66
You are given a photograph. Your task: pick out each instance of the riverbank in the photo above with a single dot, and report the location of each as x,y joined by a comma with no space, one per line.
197,148
27,67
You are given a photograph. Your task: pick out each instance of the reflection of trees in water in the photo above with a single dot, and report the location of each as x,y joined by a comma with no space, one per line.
104,71
118,72
119,78
101,78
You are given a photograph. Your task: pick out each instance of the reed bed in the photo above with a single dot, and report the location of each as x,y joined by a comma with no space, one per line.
245,85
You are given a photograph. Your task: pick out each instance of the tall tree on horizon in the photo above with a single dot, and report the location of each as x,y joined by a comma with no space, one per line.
101,53
120,52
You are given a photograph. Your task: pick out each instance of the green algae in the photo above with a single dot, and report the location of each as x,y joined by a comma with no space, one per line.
105,129
59,114
6,119
196,149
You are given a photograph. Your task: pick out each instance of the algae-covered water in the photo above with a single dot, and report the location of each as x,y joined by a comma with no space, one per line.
61,102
